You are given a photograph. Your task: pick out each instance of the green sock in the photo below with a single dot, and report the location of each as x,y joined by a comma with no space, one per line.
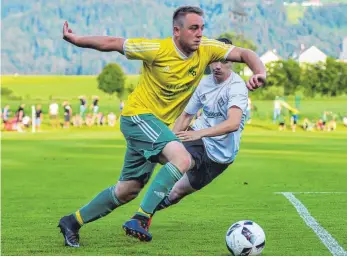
104,203
167,176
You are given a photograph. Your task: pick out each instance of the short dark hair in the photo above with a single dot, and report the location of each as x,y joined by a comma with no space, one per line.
225,40
182,11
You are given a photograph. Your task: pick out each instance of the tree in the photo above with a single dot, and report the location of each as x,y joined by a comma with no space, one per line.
311,79
293,76
112,80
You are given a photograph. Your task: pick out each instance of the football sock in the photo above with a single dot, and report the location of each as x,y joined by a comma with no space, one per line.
164,203
167,176
104,203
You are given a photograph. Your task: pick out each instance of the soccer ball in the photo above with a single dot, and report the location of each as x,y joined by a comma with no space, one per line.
245,238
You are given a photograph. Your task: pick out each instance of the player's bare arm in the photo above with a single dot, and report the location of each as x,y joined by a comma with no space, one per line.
229,125
254,63
100,43
182,122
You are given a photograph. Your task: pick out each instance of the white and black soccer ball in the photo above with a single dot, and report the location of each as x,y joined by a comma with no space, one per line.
245,238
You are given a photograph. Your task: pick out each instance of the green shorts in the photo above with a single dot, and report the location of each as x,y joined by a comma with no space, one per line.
146,137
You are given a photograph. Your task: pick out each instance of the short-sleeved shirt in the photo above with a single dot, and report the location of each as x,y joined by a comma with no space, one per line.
215,100
67,109
168,77
38,113
53,109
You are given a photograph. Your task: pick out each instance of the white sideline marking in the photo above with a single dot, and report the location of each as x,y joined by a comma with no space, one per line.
330,243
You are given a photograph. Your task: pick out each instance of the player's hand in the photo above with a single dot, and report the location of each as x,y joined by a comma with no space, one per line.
67,33
185,136
256,81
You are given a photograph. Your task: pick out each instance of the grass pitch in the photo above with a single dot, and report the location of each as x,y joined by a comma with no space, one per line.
50,174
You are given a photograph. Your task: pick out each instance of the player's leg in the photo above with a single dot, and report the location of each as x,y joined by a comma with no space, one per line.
135,174
164,143
181,189
203,173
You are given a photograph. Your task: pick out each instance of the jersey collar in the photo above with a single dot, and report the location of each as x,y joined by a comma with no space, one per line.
179,52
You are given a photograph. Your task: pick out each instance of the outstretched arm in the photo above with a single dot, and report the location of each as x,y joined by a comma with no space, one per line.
100,43
232,123
182,122
254,63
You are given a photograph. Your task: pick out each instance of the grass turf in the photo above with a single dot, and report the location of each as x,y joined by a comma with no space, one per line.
50,174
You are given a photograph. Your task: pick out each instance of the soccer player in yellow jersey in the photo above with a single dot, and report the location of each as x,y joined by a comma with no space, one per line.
172,69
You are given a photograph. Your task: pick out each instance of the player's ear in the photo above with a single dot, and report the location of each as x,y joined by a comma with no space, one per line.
176,30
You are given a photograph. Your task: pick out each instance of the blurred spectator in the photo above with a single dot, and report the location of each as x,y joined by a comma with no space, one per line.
77,121
111,119
307,125
100,119
5,115
54,114
95,105
67,114
38,117
324,119
20,113
121,106
26,121
293,120
320,124
281,122
89,120
11,124
331,126
344,120
83,105
277,109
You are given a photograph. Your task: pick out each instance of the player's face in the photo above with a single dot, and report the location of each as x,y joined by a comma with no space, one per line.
189,35
221,69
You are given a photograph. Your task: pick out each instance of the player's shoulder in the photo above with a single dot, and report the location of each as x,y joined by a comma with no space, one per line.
144,43
237,84
209,42
207,81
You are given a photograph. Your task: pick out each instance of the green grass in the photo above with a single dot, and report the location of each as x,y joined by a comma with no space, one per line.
50,174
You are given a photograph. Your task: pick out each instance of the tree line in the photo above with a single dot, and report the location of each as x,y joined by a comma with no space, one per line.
288,77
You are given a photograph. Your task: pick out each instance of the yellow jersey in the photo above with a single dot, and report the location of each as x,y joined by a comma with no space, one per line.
168,77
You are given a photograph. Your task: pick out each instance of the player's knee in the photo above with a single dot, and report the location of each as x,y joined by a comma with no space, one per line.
125,196
175,153
182,161
126,192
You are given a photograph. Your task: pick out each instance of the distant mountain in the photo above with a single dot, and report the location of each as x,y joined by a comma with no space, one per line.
32,41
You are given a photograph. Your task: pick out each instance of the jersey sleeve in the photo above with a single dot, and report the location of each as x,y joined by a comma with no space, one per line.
216,50
194,104
239,98
141,49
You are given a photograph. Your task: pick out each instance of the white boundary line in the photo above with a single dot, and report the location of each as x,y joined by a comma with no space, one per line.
327,239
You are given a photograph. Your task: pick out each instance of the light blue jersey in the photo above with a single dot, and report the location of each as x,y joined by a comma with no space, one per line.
215,100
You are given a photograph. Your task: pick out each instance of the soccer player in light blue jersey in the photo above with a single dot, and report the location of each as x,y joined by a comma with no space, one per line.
213,140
